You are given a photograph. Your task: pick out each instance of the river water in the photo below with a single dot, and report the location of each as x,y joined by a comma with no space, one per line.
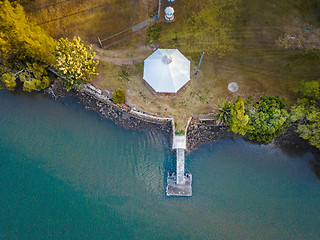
67,174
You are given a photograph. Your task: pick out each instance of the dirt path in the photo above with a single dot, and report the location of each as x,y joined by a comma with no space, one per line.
122,57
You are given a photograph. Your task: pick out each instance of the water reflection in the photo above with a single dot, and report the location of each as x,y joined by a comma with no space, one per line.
315,166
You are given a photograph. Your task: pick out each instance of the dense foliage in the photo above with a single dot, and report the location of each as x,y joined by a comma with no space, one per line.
239,118
180,133
34,77
24,49
8,80
268,119
264,121
75,62
119,96
307,112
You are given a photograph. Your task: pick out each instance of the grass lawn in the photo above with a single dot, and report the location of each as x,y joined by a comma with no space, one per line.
251,56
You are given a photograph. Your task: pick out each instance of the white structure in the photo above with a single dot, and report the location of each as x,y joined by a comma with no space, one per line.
170,1
169,14
166,70
179,142
233,87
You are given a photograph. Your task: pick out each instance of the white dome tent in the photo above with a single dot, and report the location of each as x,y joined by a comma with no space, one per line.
166,71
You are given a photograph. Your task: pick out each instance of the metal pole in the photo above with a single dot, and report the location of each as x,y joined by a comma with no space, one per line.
199,63
159,10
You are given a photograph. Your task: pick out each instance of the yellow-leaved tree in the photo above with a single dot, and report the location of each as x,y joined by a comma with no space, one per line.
239,118
75,62
24,49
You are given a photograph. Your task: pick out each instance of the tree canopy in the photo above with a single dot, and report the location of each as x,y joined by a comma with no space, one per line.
307,112
268,119
75,62
22,44
239,118
8,81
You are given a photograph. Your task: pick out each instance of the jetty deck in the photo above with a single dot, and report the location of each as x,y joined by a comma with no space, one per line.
180,190
179,183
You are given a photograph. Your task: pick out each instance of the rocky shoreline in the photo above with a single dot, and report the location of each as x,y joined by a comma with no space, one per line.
198,131
119,114
204,131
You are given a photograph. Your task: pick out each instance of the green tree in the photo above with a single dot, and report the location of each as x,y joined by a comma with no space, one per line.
223,113
119,96
75,62
307,112
34,77
268,119
22,43
8,81
239,118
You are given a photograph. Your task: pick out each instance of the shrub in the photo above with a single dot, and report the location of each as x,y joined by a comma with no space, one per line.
223,114
180,133
119,96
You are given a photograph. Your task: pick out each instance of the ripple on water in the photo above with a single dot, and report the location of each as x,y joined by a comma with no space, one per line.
65,167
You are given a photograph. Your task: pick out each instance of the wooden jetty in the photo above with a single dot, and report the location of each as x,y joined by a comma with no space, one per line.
179,183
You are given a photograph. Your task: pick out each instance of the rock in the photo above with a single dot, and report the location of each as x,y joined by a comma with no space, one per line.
198,132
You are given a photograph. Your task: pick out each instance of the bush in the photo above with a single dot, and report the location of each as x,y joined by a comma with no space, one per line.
223,114
119,96
180,133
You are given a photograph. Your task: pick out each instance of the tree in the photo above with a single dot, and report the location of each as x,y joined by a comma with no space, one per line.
8,81
223,113
307,112
22,44
268,119
75,62
119,96
239,118
34,77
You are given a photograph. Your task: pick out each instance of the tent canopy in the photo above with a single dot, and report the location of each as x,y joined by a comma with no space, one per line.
166,70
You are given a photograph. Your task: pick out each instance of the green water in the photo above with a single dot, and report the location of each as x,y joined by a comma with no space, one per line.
66,174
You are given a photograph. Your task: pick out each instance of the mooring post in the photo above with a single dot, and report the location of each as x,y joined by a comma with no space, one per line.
199,63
